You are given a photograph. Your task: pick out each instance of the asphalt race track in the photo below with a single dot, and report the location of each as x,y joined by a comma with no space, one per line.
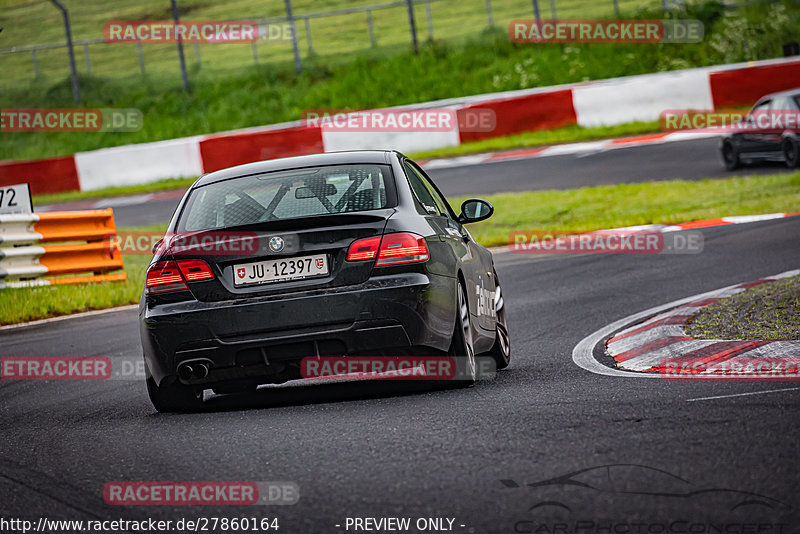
688,160
378,450
373,450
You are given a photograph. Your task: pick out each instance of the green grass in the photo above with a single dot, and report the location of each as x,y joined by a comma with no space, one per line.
614,206
585,209
19,305
768,311
476,62
29,23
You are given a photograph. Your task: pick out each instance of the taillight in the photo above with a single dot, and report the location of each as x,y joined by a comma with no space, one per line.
402,248
364,249
194,270
390,249
164,276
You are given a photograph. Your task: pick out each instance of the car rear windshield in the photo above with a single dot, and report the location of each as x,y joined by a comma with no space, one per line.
287,195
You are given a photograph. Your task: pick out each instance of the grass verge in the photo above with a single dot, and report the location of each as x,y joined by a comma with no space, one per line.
569,134
589,208
768,311
167,184
18,305
614,206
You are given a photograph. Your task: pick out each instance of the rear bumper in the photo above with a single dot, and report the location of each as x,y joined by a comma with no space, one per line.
249,339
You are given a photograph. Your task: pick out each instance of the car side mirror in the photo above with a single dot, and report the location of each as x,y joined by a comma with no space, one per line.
474,210
157,245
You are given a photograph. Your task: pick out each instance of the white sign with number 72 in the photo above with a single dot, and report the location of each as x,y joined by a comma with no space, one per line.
15,199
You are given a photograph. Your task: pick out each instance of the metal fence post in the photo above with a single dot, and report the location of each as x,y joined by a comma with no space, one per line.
76,89
308,37
489,13
298,66
184,78
197,54
255,53
553,9
35,64
665,4
429,19
86,57
141,56
412,24
616,8
371,31
536,10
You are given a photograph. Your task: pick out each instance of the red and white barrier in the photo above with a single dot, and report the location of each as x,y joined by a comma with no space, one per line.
640,98
139,164
602,102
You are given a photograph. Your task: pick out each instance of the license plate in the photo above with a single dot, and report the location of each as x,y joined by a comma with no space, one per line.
264,272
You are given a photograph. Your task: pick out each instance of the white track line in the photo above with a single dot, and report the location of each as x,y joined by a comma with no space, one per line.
583,355
742,394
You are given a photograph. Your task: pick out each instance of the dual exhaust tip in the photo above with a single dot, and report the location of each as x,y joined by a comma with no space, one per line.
196,370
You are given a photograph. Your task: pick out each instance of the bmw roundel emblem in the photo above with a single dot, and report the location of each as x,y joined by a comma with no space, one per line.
276,244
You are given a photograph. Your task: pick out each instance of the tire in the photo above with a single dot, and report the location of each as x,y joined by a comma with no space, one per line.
791,153
501,350
175,397
730,157
461,345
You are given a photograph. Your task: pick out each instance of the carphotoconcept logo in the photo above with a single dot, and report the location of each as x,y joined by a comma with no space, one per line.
606,31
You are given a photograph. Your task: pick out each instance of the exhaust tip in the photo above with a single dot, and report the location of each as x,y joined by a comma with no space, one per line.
185,372
200,370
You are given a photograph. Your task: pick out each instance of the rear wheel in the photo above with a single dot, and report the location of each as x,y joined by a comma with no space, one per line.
501,350
175,397
791,153
461,346
730,157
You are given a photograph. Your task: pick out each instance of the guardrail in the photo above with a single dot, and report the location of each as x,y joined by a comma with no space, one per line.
85,246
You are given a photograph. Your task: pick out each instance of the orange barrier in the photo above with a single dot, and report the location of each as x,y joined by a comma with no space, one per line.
99,257
89,225
86,246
